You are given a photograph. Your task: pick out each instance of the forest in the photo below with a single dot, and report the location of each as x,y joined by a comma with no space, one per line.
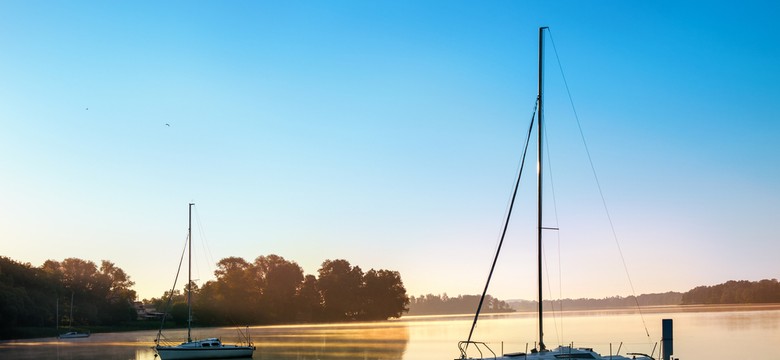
272,290
730,292
462,304
612,302
35,296
269,290
735,292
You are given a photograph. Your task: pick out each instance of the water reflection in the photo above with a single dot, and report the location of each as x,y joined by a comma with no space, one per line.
99,346
699,334
367,341
359,341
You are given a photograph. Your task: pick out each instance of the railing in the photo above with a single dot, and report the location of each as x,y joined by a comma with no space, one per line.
463,347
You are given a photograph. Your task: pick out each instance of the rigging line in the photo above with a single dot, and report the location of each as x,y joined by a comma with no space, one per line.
173,288
207,251
506,223
205,242
598,185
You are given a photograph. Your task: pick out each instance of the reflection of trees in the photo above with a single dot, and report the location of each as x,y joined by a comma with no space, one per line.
365,341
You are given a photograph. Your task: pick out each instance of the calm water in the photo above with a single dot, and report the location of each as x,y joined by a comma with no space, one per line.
700,333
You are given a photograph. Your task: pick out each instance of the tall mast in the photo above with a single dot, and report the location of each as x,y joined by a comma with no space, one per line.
539,158
189,277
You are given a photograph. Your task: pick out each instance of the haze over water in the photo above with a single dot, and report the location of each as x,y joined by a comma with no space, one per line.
699,333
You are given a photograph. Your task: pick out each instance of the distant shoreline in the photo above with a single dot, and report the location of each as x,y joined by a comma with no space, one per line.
729,294
654,309
650,309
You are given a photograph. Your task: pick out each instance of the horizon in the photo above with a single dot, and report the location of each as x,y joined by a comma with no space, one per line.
389,134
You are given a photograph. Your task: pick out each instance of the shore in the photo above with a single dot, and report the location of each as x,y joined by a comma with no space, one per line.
38,332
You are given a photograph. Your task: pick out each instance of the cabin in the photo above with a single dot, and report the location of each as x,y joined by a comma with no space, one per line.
146,313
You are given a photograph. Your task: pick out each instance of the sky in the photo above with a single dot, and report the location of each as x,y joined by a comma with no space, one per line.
389,134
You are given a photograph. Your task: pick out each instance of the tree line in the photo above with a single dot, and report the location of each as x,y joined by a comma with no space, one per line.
273,290
735,292
462,304
612,302
269,290
41,296
730,292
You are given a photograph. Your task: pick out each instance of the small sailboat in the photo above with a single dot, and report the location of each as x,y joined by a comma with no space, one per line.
207,348
73,334
540,352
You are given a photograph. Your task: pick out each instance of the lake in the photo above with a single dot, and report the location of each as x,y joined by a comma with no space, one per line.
700,332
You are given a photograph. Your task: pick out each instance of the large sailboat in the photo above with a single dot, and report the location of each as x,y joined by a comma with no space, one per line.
472,350
207,348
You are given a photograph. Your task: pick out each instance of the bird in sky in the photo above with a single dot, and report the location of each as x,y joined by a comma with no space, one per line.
168,125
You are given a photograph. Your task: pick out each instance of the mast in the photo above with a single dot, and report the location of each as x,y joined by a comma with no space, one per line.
189,276
539,158
70,318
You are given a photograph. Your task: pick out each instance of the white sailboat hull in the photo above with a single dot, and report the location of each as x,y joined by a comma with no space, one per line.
223,353
73,335
204,349
563,352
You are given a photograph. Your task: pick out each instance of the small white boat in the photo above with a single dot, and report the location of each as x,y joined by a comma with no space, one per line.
208,348
73,335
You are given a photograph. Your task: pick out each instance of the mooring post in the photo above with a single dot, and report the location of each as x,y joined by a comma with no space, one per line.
667,340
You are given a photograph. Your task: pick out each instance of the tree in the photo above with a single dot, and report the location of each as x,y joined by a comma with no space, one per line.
309,300
233,289
339,284
279,281
26,296
384,295
179,312
100,297
207,305
119,293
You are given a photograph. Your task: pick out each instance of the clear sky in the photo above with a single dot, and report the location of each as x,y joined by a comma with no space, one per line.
388,133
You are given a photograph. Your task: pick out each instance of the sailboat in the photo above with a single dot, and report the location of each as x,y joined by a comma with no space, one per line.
207,348
71,334
540,352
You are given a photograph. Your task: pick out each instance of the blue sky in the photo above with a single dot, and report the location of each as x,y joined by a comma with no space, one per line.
388,133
